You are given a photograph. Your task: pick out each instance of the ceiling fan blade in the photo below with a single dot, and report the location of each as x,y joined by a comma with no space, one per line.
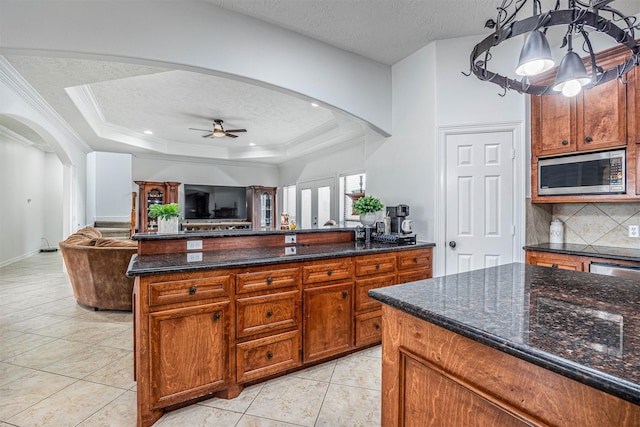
231,135
207,136
236,130
203,130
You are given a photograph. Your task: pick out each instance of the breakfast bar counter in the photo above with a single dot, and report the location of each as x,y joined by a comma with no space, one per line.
515,344
216,311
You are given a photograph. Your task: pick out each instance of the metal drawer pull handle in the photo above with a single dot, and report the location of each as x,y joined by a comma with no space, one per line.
329,272
377,326
269,313
269,280
269,356
588,139
415,260
377,266
192,290
216,316
565,142
345,294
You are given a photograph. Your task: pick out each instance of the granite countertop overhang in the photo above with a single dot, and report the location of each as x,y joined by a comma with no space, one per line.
143,265
610,252
581,325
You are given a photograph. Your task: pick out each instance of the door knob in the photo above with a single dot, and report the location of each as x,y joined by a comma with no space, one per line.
452,244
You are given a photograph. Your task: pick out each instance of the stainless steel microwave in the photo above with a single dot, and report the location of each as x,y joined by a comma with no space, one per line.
591,173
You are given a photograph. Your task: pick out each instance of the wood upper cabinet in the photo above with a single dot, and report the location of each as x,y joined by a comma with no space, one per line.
190,352
328,320
595,119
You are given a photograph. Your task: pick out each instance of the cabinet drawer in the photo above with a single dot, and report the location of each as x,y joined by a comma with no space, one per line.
374,264
368,328
414,275
189,290
413,259
363,286
268,279
267,356
327,272
267,313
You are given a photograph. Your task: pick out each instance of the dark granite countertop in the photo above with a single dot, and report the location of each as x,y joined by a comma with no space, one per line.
613,253
232,233
142,265
581,325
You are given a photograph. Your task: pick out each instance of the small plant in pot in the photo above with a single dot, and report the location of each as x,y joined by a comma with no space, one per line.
168,217
367,207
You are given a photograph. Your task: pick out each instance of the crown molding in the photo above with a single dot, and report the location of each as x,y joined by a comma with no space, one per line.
14,80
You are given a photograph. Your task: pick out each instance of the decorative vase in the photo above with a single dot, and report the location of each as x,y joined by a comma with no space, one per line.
168,226
368,219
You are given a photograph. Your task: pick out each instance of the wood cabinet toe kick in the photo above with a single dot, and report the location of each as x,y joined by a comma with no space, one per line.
209,333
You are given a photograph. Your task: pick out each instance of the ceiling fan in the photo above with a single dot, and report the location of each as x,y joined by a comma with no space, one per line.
218,131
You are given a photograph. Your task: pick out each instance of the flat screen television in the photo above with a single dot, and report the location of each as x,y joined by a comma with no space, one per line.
218,202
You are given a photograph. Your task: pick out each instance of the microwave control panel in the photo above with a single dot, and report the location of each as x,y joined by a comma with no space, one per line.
616,174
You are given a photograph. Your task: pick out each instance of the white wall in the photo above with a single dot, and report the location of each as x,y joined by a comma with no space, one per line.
202,172
23,199
326,164
429,93
402,169
198,35
53,214
109,186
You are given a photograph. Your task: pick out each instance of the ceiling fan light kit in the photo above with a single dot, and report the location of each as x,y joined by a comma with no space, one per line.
579,18
218,131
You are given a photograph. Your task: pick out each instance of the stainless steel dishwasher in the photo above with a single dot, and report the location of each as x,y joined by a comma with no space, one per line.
618,270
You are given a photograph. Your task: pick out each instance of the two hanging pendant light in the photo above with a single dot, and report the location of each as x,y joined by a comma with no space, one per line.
579,17
535,58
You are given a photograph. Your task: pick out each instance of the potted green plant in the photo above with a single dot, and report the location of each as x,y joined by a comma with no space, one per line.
367,207
168,217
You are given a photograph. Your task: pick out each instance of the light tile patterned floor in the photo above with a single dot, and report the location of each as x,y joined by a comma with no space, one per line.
64,365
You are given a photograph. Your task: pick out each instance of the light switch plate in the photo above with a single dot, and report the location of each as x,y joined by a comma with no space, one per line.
290,250
289,239
634,231
194,245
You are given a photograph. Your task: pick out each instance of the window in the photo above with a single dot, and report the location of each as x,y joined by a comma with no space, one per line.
289,202
351,188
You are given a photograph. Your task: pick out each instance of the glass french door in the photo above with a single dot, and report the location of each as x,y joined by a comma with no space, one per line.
316,205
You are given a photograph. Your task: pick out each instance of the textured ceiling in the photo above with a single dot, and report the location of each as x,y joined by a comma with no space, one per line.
110,104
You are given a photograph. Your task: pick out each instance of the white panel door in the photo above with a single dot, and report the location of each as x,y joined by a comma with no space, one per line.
316,202
479,203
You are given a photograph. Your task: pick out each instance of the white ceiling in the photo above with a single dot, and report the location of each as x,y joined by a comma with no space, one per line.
109,104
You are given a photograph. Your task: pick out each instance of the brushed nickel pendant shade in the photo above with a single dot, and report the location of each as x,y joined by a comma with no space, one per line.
535,56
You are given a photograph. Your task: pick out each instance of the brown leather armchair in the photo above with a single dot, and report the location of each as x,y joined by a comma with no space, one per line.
97,269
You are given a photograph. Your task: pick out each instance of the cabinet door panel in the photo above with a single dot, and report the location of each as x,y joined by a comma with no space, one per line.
375,264
603,117
556,121
189,354
328,320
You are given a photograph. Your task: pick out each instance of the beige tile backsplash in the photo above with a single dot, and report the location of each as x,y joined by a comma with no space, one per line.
600,224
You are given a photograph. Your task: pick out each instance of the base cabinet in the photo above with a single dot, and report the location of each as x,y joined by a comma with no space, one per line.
211,332
328,320
190,352
568,262
434,377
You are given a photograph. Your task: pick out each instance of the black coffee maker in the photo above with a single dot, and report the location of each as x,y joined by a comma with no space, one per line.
397,214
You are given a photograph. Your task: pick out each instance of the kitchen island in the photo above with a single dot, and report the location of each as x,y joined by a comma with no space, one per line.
511,345
216,311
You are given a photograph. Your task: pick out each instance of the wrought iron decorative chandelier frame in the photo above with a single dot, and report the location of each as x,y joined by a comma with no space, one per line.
578,17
